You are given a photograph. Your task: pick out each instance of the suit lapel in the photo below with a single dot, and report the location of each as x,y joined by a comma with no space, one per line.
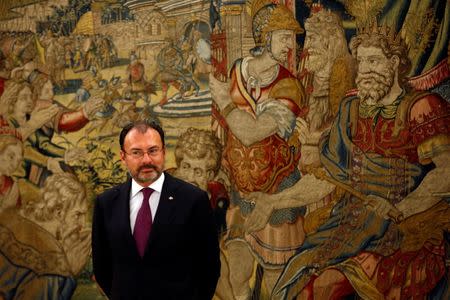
165,213
166,207
124,212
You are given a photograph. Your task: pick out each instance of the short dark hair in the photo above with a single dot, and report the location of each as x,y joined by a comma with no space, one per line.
142,126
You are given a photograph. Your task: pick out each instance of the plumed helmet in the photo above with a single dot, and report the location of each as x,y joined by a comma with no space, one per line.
273,17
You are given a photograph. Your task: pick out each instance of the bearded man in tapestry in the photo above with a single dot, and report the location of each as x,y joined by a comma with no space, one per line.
391,144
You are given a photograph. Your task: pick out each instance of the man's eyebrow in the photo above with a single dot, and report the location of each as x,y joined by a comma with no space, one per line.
372,56
151,147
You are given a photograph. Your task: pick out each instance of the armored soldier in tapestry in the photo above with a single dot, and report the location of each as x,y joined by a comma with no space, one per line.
262,148
320,130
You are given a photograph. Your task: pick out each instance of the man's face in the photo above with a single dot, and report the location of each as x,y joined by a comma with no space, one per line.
148,168
10,159
317,46
376,73
195,171
25,103
282,42
74,222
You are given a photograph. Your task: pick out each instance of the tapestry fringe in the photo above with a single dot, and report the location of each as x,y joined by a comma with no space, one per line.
431,78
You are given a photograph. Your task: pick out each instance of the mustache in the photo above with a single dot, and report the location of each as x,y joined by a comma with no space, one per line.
374,74
378,78
378,88
308,52
147,166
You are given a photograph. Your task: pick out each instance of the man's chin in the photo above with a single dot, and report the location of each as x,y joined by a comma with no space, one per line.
148,177
282,58
372,97
315,64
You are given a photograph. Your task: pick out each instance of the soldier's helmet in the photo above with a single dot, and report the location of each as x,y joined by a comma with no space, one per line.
272,17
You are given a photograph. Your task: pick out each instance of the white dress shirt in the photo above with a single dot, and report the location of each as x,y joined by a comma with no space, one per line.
136,198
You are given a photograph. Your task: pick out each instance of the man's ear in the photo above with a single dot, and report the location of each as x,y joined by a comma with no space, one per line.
60,214
395,60
210,174
122,156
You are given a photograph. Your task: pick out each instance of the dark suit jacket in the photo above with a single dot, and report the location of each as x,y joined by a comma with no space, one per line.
181,260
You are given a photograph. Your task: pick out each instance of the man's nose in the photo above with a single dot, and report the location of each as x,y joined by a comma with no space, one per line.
190,176
147,157
363,67
290,43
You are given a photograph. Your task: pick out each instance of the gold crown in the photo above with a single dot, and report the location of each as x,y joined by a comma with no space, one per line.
316,7
372,28
321,18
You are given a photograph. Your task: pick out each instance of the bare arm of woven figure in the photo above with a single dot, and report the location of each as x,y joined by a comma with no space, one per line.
271,116
219,92
307,190
37,120
430,191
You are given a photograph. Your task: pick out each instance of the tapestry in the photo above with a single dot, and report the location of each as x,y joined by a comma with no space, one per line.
319,129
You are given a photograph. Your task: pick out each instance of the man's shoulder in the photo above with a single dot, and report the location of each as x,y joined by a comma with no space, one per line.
112,192
431,100
427,106
181,185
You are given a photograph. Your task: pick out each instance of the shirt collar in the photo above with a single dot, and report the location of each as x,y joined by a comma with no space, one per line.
156,185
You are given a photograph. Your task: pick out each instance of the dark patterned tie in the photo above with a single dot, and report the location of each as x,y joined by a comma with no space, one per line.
143,223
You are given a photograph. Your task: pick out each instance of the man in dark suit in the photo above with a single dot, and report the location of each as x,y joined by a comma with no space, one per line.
153,237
